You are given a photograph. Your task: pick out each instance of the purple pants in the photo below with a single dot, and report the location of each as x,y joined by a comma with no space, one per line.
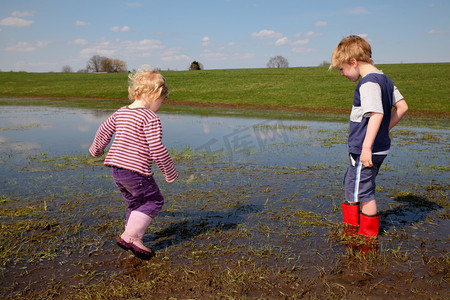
140,192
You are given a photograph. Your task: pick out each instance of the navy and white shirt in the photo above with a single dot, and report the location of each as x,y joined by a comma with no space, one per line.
375,92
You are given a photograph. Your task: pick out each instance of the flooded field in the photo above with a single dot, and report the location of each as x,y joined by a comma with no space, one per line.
255,212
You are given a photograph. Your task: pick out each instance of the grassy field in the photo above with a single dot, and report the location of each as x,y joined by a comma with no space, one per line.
425,87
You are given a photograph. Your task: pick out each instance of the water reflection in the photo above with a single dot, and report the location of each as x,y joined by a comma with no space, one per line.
63,131
68,131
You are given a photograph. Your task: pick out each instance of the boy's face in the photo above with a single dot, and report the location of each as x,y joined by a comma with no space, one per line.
351,71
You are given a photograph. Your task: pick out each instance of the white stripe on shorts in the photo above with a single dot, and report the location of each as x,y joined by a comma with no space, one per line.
358,177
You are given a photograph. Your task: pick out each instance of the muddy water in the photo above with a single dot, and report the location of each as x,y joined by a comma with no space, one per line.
250,186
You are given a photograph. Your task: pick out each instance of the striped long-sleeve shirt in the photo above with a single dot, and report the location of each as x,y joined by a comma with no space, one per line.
137,142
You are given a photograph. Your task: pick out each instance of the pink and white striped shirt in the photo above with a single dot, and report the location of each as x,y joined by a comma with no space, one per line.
137,142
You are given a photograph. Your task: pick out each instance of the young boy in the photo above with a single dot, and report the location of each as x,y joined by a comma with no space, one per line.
371,119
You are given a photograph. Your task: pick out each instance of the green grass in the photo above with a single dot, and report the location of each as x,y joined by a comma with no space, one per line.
424,86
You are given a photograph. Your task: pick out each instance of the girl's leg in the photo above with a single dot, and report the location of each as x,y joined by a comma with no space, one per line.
131,238
144,201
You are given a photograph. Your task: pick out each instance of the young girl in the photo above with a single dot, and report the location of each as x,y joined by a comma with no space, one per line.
136,145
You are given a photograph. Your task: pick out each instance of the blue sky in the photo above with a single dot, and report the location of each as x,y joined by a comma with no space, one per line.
45,35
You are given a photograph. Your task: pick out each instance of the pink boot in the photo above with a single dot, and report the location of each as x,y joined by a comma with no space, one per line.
370,225
131,238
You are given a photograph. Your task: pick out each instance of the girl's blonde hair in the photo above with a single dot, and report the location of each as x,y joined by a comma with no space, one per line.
146,81
351,47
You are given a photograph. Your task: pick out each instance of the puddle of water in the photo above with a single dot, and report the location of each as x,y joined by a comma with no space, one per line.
315,150
67,131
270,182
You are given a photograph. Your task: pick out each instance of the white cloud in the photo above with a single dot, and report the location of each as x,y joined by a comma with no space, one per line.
26,47
365,36
173,54
266,34
434,31
358,11
22,14
285,41
303,50
120,29
21,47
221,56
313,34
41,44
300,42
133,4
125,49
142,45
205,41
172,58
103,48
78,42
282,41
15,22
321,24
81,23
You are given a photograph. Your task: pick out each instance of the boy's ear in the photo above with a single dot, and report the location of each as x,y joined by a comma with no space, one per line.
353,62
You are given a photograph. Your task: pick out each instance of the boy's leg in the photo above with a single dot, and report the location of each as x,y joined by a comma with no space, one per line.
369,218
370,225
369,207
351,205
350,213
360,187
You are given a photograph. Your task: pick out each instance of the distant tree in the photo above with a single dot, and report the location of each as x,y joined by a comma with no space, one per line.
113,65
324,63
94,63
66,69
195,65
278,62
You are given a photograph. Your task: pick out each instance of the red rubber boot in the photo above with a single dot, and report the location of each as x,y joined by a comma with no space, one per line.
350,213
370,225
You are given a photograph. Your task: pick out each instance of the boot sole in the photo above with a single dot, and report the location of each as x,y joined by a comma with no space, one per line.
141,253
124,245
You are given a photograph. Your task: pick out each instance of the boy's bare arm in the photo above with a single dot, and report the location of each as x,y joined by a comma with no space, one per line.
372,130
400,109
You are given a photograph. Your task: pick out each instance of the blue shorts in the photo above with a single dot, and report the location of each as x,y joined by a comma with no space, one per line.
359,181
140,192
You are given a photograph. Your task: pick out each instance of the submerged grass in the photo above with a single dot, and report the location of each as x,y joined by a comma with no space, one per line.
228,229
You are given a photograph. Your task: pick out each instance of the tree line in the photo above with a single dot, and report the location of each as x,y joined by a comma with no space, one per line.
101,64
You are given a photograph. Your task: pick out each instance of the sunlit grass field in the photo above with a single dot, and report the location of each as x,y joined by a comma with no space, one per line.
425,87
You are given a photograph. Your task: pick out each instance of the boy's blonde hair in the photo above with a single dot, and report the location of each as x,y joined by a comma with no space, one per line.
146,81
351,47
